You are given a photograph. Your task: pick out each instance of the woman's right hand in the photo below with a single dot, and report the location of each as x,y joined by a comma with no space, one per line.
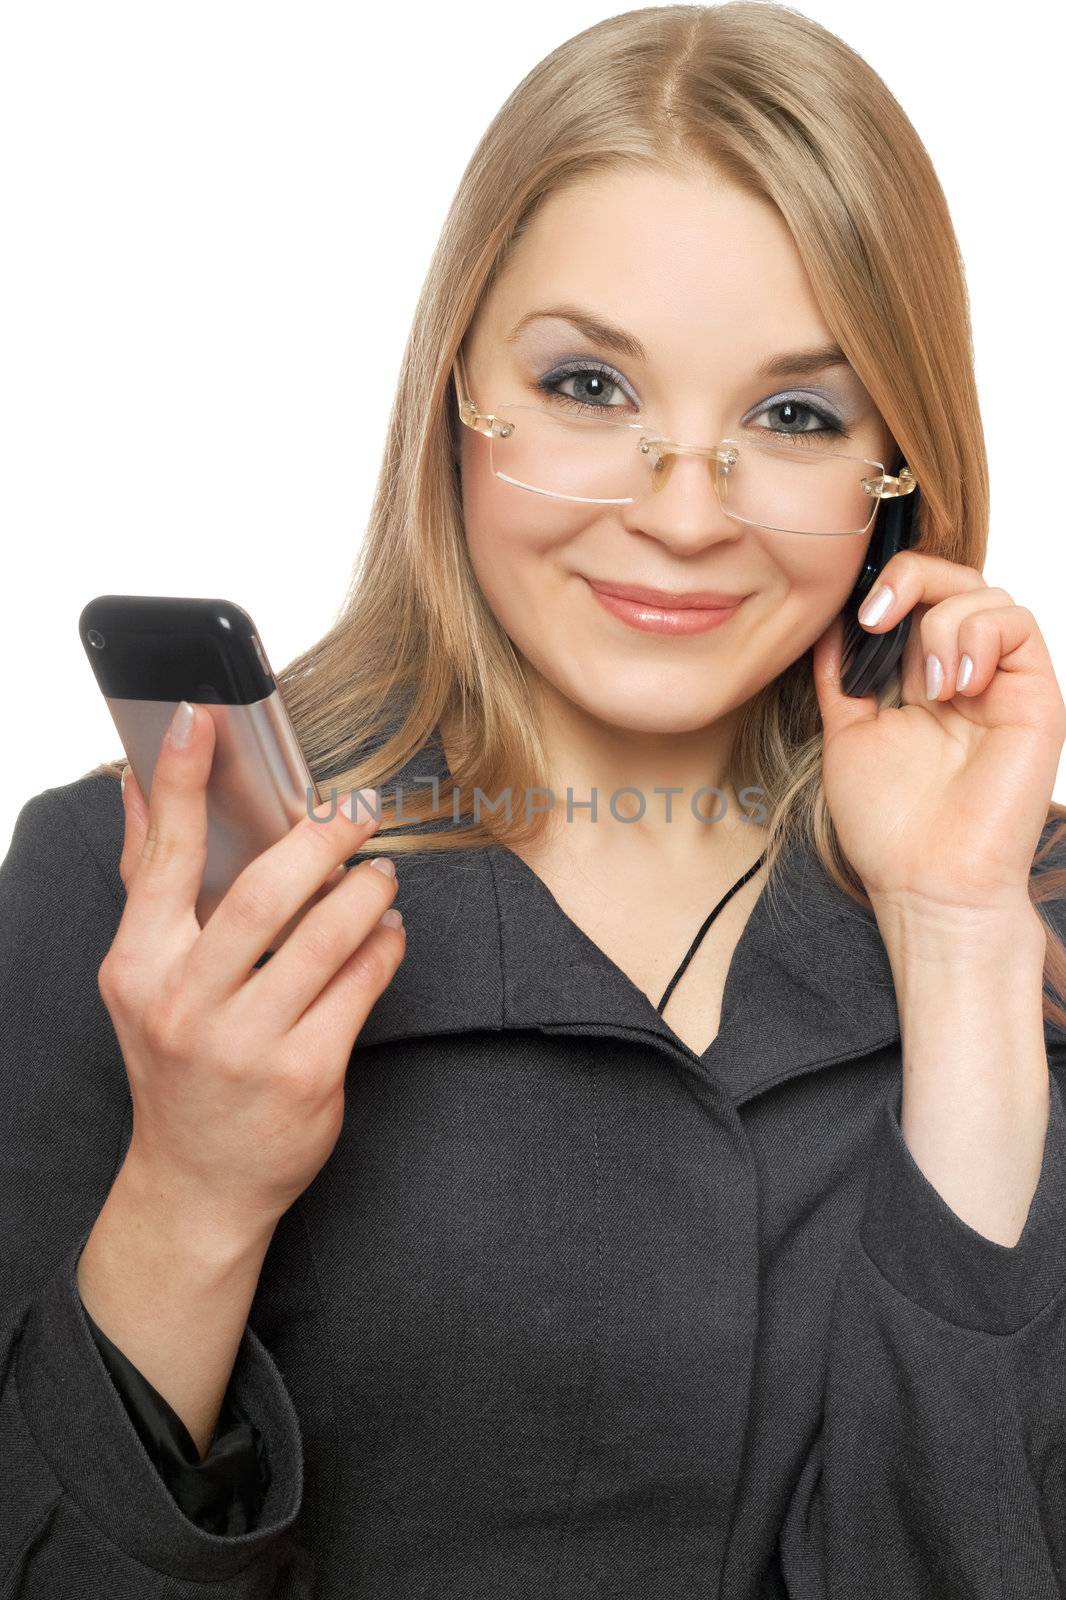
237,1074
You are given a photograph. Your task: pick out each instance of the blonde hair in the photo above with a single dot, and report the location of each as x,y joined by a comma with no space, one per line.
769,99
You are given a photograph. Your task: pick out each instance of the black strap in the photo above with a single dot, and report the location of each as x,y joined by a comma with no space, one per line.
695,943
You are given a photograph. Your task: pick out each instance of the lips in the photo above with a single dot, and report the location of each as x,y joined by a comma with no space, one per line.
681,615
669,599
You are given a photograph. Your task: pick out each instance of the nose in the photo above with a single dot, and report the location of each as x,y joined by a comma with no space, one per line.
680,505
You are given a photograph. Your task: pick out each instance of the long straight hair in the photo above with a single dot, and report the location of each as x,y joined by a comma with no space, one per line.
765,97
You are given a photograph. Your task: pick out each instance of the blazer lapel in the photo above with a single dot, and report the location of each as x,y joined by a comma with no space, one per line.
489,947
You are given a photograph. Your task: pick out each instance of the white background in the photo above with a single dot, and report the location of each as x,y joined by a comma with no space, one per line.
216,220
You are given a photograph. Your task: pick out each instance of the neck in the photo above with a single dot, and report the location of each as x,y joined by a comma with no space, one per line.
660,797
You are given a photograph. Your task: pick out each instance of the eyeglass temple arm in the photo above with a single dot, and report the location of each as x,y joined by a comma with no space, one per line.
468,411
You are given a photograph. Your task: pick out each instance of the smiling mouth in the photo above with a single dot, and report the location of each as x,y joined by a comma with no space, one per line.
678,615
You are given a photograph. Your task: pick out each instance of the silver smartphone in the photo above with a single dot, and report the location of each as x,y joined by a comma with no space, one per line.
148,652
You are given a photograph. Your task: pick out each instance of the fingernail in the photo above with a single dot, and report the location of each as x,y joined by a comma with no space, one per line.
391,918
180,730
122,780
359,807
876,605
965,672
384,864
934,677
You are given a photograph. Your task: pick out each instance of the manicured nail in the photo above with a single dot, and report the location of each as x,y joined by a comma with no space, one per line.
934,677
965,672
361,807
180,731
875,607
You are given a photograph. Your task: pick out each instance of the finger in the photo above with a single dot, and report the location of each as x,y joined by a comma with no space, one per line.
323,941
268,893
1006,640
975,650
167,873
338,875
839,710
912,665
347,1000
933,632
910,577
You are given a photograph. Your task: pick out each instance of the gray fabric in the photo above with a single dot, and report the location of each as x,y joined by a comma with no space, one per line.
570,1311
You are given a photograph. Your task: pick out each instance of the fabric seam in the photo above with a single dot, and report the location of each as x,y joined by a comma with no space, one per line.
949,1322
45,1517
596,1358
88,848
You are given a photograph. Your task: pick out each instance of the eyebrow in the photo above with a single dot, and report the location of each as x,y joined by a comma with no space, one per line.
789,363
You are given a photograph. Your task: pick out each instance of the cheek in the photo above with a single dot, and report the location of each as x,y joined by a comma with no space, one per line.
510,536
812,579
819,574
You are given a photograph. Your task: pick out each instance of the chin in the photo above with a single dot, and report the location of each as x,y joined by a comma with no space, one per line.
644,702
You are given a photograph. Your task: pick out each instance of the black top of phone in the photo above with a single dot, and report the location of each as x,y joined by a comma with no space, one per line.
168,647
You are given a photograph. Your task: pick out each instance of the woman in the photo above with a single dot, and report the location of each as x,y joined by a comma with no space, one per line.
614,1260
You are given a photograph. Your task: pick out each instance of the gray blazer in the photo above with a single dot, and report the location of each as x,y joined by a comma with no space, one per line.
570,1311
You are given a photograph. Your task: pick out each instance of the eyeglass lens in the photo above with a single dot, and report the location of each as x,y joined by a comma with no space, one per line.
787,482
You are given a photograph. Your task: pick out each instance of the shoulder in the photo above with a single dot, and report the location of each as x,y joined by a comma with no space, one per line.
64,1094
71,828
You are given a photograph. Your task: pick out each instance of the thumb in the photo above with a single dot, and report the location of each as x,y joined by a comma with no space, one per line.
839,710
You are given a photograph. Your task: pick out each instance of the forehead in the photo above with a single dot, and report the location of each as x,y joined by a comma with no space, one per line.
693,265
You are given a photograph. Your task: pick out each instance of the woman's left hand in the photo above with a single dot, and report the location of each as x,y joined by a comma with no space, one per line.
939,803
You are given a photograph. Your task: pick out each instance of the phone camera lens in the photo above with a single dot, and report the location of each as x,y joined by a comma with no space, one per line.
96,638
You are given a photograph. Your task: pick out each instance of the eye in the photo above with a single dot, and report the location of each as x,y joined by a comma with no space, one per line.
795,414
594,385
588,387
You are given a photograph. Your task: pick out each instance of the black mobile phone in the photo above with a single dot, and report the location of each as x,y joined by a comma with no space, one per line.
867,659
148,652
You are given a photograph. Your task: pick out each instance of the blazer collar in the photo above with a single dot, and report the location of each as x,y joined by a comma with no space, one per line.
490,948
